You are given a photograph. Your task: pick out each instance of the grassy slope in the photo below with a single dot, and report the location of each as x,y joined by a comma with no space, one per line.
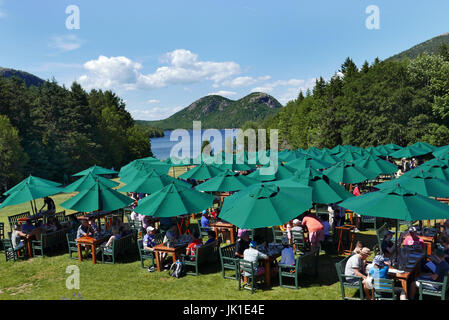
45,278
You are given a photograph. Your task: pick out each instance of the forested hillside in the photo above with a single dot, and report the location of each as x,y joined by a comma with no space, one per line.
384,102
49,131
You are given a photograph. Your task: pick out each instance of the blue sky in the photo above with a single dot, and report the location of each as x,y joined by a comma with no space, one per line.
160,56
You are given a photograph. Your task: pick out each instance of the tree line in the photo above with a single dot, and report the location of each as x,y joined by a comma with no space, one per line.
51,131
383,102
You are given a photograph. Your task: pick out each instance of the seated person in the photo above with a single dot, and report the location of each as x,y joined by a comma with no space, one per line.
51,207
93,226
193,245
73,224
84,229
164,224
379,270
149,240
413,240
27,227
444,241
53,224
241,245
211,234
356,266
253,255
16,238
205,221
115,236
326,226
171,235
358,247
288,256
214,213
296,225
387,246
441,268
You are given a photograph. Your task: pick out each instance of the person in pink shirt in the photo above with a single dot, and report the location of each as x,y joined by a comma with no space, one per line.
412,239
315,228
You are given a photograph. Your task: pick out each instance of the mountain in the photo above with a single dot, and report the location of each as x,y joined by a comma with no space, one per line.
219,112
28,78
430,46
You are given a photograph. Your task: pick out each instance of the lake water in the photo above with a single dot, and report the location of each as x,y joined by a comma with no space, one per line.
162,147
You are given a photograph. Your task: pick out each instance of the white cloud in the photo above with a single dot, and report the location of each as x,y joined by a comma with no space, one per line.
222,93
244,81
183,68
153,101
65,43
2,12
156,113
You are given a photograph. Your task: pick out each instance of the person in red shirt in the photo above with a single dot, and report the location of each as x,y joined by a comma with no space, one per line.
413,239
315,228
191,248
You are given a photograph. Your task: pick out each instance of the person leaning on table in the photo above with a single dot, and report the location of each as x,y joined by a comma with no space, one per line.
253,255
242,244
355,266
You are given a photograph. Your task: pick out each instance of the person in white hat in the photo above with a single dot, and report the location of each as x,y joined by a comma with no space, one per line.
149,240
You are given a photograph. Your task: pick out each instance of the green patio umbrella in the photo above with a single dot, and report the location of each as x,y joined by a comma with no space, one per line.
265,205
396,202
145,165
291,155
392,147
32,181
421,182
173,200
141,169
29,192
441,151
409,152
424,146
375,152
338,149
374,166
282,172
97,198
178,162
349,155
201,172
235,166
347,172
435,167
324,190
97,170
152,182
328,157
383,150
226,181
313,152
87,181
308,162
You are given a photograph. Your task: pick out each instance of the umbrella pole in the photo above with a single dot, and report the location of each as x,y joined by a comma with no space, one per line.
396,241
32,208
35,207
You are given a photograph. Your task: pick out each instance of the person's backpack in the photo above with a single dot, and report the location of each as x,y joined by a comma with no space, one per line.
177,269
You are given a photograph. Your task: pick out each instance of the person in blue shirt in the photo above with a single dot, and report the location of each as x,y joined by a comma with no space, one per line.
205,221
149,240
288,256
379,270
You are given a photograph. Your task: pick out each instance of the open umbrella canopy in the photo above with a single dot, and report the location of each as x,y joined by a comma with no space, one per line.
32,181
97,198
143,165
178,162
226,181
308,162
143,168
375,165
87,181
201,172
347,172
313,152
421,182
349,155
235,166
97,170
269,174
399,203
173,200
441,151
436,167
409,152
338,149
28,192
383,150
327,156
265,205
375,152
324,190
424,146
152,182
290,155
392,147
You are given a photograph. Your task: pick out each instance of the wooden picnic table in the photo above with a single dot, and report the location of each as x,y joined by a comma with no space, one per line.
267,267
347,228
409,274
174,251
429,241
219,226
89,241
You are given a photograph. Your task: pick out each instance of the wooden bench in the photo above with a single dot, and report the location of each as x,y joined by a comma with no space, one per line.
340,266
119,247
204,254
49,241
229,261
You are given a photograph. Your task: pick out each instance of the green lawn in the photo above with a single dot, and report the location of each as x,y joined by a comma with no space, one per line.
45,278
